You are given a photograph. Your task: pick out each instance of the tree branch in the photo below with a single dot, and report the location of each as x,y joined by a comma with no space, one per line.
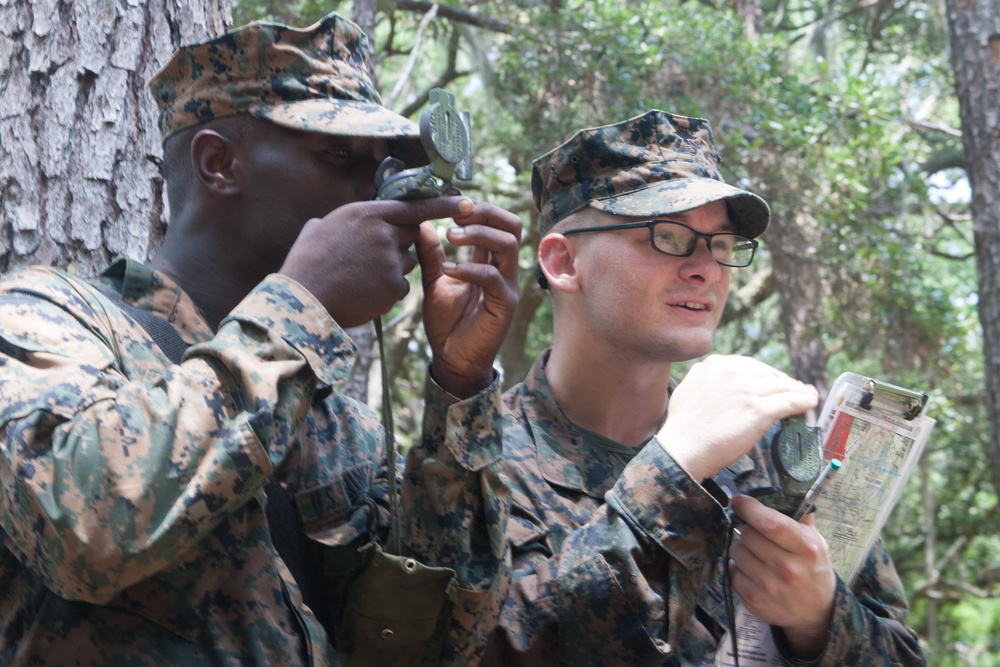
921,126
455,14
450,74
942,161
404,77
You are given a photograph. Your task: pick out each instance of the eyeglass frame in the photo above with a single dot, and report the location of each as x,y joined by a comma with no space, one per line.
651,224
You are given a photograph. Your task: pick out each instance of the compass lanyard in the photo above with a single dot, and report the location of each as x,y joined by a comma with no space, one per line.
727,587
395,539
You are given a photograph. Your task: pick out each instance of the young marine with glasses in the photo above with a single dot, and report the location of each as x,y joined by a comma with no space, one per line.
625,483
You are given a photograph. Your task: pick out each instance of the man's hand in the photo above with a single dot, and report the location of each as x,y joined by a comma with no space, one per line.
782,571
723,406
355,259
468,306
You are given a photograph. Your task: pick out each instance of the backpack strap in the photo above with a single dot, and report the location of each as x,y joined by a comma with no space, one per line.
164,335
283,522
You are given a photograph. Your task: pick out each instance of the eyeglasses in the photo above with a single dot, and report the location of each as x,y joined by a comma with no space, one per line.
679,240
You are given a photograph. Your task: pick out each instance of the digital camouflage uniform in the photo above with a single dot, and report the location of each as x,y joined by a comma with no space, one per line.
616,552
131,489
618,564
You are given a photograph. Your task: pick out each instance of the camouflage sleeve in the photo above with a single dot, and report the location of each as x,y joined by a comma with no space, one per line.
113,461
868,627
457,509
604,593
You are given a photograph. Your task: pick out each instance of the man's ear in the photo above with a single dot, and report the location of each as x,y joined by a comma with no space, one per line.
557,260
212,159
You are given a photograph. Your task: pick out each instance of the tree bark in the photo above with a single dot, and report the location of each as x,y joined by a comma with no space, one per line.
974,28
363,13
801,293
513,357
753,17
79,146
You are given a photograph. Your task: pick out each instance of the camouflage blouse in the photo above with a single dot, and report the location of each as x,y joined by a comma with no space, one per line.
620,564
131,489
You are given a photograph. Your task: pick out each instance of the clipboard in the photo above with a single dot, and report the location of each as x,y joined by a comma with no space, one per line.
879,431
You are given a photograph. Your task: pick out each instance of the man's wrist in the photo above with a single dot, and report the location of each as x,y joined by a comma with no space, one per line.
461,386
688,462
805,644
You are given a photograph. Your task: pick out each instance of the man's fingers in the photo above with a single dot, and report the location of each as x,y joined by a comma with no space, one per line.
485,276
430,253
769,527
490,246
782,406
409,262
415,211
752,567
491,216
497,244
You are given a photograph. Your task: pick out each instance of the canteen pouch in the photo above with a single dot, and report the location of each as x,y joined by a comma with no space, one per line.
397,611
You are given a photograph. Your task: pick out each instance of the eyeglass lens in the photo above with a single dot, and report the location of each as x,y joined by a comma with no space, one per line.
673,238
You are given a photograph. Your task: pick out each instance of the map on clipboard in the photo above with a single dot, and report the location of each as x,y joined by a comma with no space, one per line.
878,431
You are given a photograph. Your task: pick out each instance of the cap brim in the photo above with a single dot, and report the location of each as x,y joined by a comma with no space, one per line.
339,117
749,212
345,118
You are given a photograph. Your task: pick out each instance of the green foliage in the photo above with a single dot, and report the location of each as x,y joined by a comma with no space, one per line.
297,13
590,63
970,630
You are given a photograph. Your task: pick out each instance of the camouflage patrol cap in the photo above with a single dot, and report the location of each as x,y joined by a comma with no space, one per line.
315,79
651,165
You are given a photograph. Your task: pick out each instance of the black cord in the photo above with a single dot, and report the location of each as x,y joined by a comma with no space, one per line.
727,592
395,537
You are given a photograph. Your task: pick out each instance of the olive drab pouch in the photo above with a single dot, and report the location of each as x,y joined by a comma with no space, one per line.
397,611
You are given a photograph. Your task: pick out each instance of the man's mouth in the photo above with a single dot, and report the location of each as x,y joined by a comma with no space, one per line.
692,305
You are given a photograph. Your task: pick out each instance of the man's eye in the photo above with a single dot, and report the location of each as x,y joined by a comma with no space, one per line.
723,243
342,153
671,240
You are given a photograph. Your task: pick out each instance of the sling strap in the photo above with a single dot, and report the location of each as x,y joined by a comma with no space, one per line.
284,523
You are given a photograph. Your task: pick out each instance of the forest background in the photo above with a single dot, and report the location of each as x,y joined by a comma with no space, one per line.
870,126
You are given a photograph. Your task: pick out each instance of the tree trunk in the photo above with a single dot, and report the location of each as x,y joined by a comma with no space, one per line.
801,296
753,17
975,55
79,145
513,358
364,15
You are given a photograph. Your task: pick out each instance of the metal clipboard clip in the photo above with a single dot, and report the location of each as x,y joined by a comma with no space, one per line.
884,396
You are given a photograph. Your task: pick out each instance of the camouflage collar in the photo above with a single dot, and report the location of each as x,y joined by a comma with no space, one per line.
566,456
145,288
